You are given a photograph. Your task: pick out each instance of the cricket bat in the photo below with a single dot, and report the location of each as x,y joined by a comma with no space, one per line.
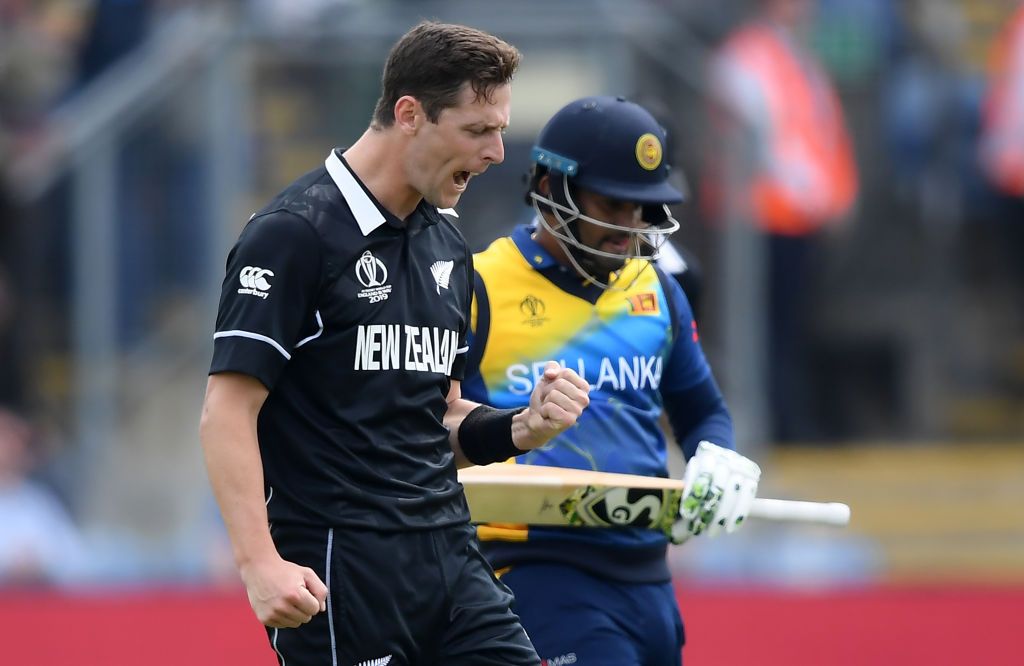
537,495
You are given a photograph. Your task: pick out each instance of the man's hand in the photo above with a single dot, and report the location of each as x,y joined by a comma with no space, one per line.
283,594
720,487
557,401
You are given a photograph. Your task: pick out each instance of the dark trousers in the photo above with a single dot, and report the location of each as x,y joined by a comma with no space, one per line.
574,617
413,598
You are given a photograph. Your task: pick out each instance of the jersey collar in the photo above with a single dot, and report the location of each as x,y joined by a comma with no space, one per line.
367,215
531,250
541,260
366,212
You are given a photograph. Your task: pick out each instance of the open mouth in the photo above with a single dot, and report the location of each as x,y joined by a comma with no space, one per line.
615,245
461,179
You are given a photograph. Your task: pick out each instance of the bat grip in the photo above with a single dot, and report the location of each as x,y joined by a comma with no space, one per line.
835,514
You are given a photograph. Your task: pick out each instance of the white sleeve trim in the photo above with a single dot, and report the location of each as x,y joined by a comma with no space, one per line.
315,335
253,336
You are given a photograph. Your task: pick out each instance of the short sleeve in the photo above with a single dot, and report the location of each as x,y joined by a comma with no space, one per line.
268,299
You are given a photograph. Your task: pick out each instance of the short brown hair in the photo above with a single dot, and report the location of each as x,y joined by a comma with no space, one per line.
433,60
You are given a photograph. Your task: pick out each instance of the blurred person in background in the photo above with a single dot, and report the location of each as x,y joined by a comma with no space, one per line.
1001,143
1002,132
37,46
37,51
39,541
333,420
579,284
781,161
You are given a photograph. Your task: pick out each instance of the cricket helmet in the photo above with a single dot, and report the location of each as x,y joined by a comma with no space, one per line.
613,147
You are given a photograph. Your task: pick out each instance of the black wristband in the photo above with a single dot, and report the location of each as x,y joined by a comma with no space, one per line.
485,435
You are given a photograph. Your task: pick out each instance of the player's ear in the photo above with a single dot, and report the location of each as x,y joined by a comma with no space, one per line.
544,185
409,114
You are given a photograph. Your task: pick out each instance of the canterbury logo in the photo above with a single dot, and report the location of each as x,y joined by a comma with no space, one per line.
254,281
442,272
383,661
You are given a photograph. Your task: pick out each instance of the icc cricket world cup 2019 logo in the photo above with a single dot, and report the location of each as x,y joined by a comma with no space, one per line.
371,271
534,309
372,274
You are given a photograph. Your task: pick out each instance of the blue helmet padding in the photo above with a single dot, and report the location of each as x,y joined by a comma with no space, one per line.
553,161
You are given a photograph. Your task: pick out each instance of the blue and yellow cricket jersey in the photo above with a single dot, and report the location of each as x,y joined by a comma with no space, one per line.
631,346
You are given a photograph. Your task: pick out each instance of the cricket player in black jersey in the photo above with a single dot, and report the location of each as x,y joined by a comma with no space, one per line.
333,421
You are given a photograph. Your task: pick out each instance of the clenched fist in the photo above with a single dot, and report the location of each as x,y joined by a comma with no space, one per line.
557,401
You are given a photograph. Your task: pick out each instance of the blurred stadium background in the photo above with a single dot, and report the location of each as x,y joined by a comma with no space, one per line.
136,137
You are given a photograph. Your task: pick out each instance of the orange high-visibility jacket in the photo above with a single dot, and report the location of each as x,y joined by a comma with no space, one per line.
808,177
1002,131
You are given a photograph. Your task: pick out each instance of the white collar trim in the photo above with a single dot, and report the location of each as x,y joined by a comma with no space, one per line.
367,215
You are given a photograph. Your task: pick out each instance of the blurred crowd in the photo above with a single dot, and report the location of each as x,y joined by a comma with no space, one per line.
50,51
949,143
38,46
39,540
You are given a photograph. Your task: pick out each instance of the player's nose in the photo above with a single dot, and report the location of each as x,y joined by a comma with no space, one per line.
494,151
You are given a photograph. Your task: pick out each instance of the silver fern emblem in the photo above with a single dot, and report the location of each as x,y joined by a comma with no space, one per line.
383,661
442,272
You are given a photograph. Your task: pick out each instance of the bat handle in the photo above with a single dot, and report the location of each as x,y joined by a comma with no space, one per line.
835,514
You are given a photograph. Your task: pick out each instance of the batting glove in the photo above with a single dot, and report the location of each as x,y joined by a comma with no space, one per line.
720,487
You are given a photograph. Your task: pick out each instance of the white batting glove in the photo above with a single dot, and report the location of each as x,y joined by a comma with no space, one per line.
720,487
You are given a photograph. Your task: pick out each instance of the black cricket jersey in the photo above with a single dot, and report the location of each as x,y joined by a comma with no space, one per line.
355,322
